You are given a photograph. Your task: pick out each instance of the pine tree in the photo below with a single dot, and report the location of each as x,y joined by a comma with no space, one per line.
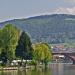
24,49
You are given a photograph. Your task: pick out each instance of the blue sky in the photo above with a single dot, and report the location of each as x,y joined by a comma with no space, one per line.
10,9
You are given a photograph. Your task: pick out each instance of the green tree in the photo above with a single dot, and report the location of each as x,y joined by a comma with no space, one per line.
42,53
24,48
9,36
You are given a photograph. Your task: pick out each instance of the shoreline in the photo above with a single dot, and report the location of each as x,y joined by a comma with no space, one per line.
15,68
9,68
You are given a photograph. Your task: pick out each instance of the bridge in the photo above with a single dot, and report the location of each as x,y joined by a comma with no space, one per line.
71,56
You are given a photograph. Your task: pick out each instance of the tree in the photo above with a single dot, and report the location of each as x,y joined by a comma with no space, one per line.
3,57
9,36
24,48
42,53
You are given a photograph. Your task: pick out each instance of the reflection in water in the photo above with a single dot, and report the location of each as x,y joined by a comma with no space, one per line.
62,69
41,72
8,72
27,72
55,69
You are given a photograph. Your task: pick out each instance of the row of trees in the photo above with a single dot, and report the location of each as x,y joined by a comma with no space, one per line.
17,44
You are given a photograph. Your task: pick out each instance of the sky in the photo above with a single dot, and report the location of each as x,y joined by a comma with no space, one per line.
13,9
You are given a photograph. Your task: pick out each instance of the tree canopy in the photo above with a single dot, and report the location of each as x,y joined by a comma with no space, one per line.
42,52
9,36
24,48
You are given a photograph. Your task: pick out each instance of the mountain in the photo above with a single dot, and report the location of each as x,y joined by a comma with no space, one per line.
53,29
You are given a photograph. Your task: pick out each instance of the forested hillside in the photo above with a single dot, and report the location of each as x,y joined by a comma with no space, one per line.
53,29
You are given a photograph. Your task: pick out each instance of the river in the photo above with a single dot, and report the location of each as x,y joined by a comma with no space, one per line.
53,69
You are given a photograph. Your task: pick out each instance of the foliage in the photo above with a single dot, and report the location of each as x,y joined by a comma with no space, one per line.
24,49
3,57
9,36
42,52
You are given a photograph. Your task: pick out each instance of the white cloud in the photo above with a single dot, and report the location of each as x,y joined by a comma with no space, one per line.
63,10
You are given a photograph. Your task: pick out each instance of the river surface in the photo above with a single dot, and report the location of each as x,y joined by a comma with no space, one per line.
53,69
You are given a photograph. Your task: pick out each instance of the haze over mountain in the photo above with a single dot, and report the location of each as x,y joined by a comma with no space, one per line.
53,29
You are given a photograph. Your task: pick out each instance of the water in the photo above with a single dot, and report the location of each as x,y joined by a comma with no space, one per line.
53,69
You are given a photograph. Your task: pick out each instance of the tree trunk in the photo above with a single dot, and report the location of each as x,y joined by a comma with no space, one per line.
45,65
25,63
21,64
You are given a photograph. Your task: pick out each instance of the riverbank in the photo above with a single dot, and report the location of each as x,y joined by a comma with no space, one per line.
21,68
16,68
8,68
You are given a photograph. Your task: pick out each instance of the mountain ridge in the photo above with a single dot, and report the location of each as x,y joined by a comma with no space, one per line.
47,28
